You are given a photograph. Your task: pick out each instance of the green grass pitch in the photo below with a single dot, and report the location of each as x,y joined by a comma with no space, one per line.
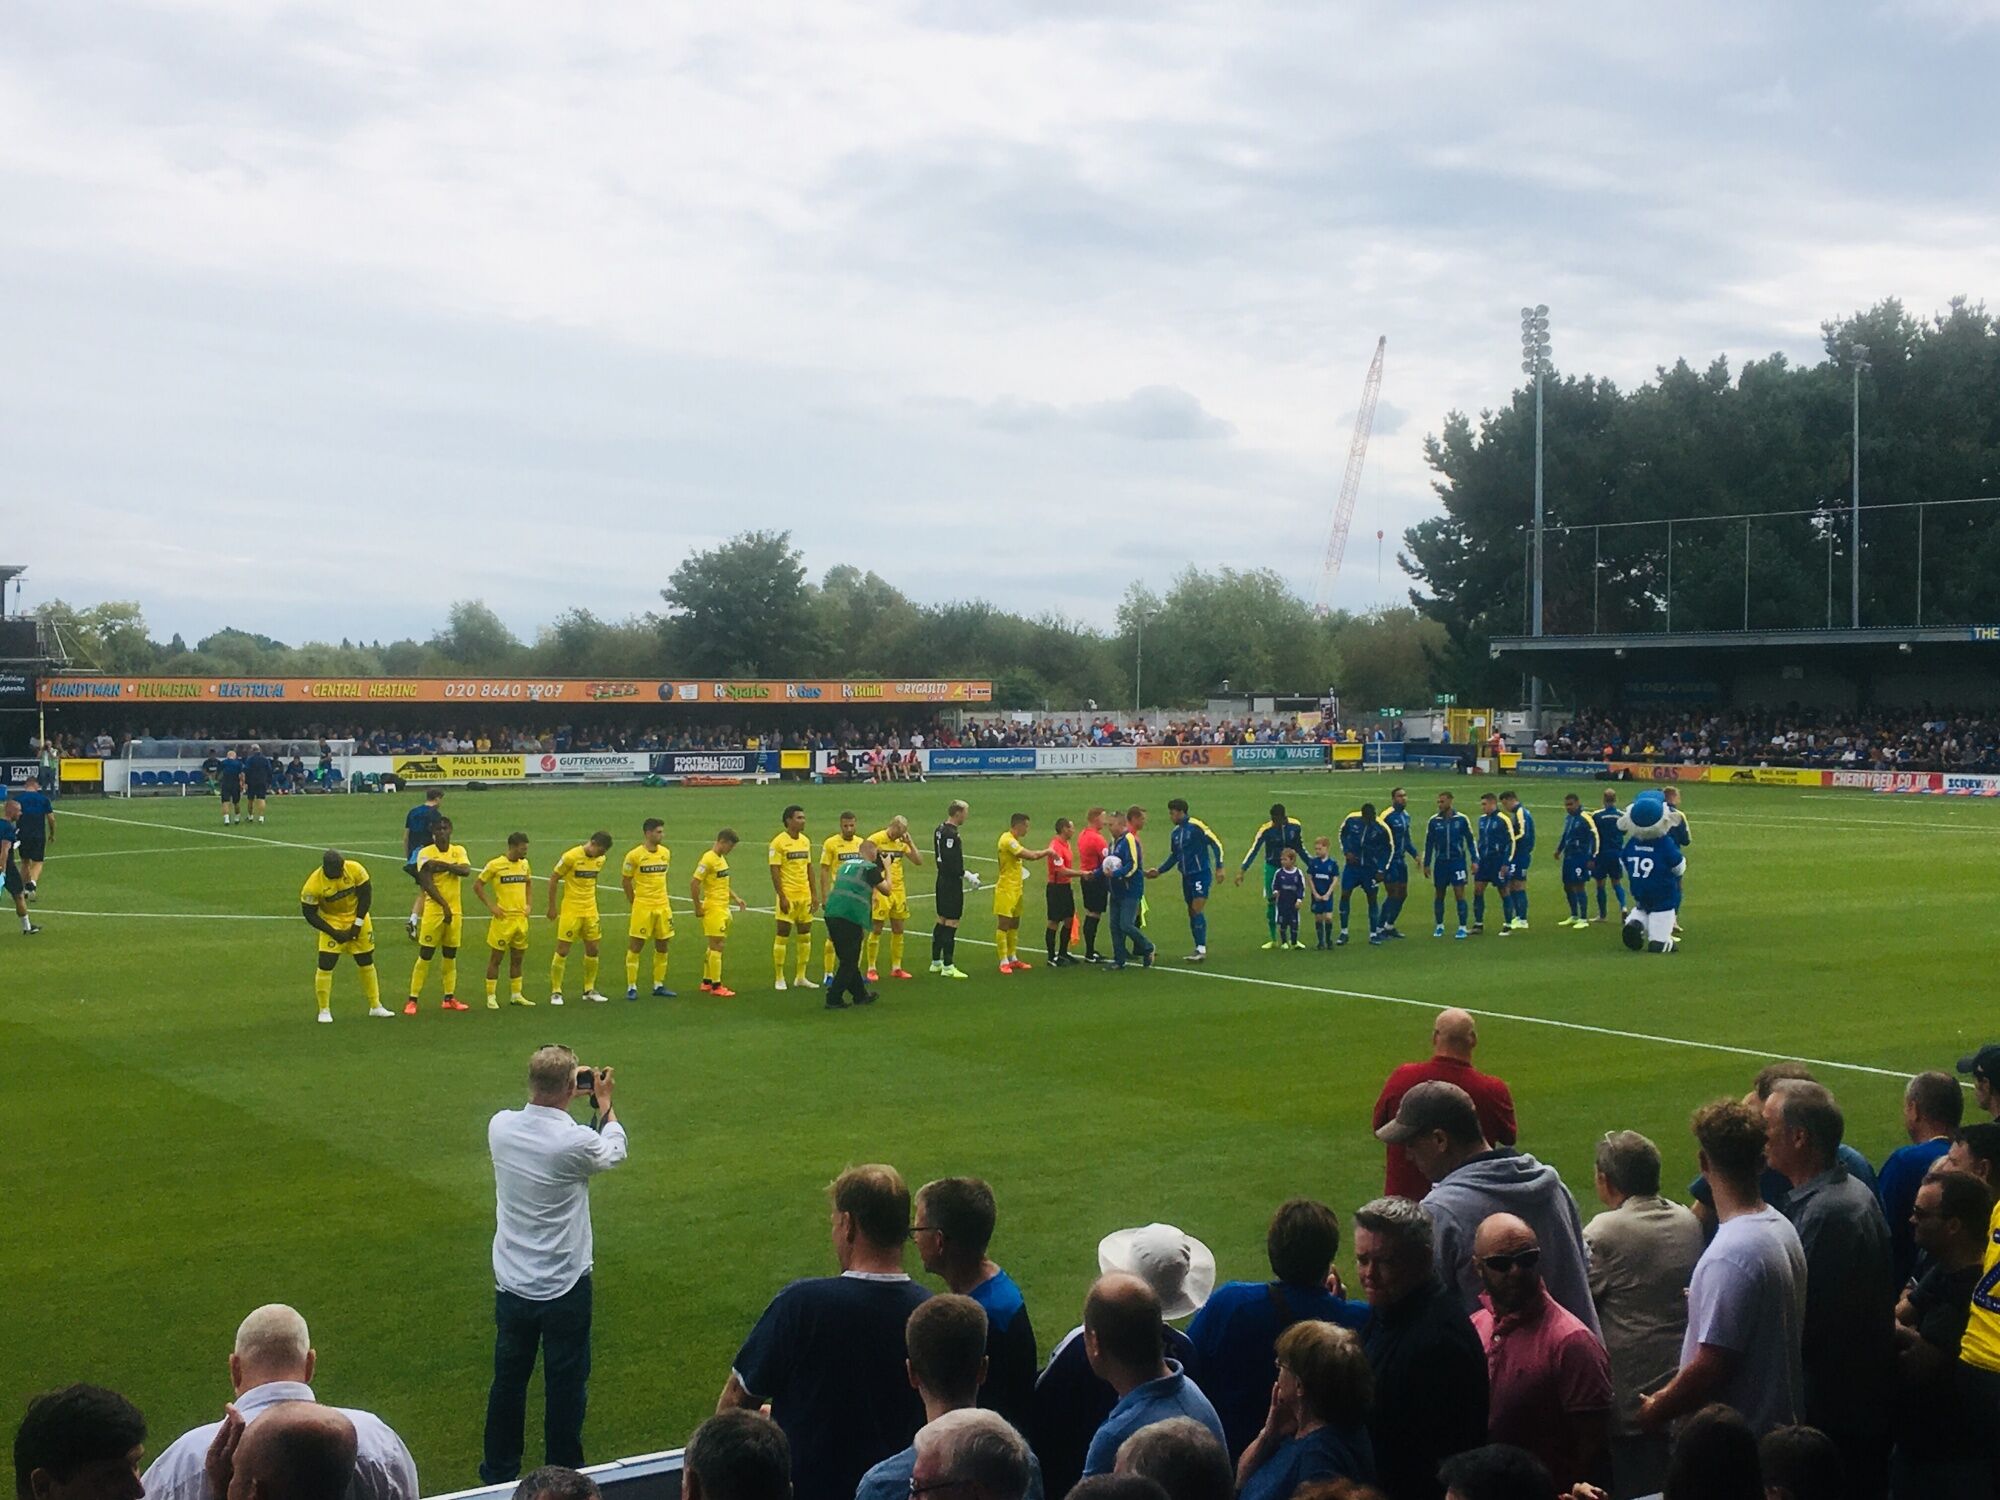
182,1142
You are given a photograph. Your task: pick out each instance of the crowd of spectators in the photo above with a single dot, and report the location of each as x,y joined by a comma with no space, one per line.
1814,1328
1925,739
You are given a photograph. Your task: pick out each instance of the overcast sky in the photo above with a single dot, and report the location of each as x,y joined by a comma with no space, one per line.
321,316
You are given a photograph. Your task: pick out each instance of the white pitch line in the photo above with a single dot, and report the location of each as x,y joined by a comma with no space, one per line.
217,833
65,856
170,916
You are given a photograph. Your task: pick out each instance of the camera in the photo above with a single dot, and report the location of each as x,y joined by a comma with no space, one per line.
586,1081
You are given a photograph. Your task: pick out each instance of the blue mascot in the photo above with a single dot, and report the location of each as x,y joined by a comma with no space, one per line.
1654,864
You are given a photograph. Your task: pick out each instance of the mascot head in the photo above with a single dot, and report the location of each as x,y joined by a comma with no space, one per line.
1647,817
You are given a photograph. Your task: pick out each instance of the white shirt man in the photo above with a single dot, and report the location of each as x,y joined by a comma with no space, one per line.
543,1160
272,1363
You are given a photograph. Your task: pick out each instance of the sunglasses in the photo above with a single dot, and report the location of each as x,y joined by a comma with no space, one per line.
1500,1265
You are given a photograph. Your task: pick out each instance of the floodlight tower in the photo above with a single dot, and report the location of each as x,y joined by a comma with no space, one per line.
1535,362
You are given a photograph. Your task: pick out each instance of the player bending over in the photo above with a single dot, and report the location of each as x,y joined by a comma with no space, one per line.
576,875
1322,879
1009,895
796,897
441,867
502,888
1193,846
1577,850
1610,844
1365,846
644,878
892,897
714,903
335,904
1448,847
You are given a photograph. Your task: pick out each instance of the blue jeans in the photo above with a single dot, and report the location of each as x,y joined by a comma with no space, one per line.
561,1328
1125,930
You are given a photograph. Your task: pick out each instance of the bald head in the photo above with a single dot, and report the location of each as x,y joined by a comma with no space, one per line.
1502,1234
1123,1336
296,1450
1508,1258
271,1344
1455,1034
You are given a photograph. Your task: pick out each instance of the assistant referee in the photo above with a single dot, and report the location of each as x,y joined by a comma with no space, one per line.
948,849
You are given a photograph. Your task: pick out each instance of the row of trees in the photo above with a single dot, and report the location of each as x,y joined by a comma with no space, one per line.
1713,453
747,609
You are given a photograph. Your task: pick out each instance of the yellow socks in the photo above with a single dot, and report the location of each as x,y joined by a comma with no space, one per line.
631,970
778,958
371,986
449,972
323,988
556,967
828,958
868,947
589,974
895,950
711,967
420,972
659,967
805,954
492,989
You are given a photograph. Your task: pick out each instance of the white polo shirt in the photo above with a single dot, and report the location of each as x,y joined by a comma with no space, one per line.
543,1161
383,1468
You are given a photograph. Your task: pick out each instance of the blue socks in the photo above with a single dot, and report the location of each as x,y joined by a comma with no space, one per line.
1461,911
1478,906
1437,909
1198,925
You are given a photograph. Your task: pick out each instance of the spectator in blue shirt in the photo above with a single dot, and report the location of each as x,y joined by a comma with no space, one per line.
1933,1106
1318,1423
1123,1342
1236,1333
954,1226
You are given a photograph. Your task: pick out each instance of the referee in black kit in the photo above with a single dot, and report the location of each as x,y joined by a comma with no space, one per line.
948,848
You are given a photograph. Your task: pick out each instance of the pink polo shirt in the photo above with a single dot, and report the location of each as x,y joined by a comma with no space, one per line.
1548,1379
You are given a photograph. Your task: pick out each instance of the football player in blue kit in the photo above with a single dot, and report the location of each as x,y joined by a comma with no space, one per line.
1396,879
1448,849
1365,845
1493,854
1610,844
1577,850
1288,891
1193,847
1322,876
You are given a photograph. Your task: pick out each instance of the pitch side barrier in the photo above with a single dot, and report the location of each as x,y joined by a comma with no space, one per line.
1921,783
1085,760
531,767
650,1476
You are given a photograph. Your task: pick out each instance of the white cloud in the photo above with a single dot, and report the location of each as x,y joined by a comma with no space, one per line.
552,295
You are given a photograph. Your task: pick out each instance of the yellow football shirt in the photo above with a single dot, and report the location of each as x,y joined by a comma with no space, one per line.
893,851
712,870
647,870
579,870
793,852
1011,850
446,882
508,880
836,847
336,899
1980,1347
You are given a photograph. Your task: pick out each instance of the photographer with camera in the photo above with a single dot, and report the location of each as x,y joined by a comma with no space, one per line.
543,1161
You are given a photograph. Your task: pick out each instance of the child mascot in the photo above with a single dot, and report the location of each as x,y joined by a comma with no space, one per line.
1654,864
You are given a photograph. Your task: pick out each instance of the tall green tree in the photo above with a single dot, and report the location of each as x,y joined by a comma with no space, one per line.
742,608
475,639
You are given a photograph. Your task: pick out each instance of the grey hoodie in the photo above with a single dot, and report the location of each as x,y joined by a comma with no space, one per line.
1511,1182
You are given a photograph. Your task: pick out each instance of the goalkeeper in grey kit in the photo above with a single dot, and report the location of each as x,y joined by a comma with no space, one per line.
948,850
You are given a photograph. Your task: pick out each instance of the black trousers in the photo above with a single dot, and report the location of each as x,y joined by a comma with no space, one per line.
846,938
561,1329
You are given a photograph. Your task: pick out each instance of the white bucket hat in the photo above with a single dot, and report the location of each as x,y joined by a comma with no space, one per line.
1179,1267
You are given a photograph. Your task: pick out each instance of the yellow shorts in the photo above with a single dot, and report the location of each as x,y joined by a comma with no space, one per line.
798,910
1007,900
572,925
507,932
891,906
440,928
363,944
655,922
715,921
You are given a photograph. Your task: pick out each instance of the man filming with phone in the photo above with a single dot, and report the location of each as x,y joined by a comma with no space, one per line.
543,1160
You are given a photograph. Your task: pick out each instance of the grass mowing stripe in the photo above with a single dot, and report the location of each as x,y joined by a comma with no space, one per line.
217,833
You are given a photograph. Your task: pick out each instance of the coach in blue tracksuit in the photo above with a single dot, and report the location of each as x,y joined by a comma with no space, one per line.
1128,891
1366,846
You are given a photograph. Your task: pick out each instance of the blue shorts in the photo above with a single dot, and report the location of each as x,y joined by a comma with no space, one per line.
1322,906
1288,915
1607,867
1487,871
1576,871
1521,863
1398,873
1194,888
1357,878
231,789
1443,874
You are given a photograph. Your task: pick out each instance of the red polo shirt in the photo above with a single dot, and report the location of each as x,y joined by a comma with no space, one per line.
1489,1096
1090,847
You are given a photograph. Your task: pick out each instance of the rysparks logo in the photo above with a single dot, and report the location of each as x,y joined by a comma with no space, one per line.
729,692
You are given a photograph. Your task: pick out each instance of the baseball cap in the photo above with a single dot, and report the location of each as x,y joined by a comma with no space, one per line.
1985,1063
1432,1106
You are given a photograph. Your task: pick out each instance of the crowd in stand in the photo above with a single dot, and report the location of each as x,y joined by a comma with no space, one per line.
1924,739
1812,1328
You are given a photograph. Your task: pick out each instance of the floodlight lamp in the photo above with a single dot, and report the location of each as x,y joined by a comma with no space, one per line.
1542,311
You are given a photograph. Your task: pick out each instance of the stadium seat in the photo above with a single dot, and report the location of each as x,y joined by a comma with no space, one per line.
145,778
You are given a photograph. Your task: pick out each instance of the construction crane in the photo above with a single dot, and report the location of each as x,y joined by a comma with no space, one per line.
1350,484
